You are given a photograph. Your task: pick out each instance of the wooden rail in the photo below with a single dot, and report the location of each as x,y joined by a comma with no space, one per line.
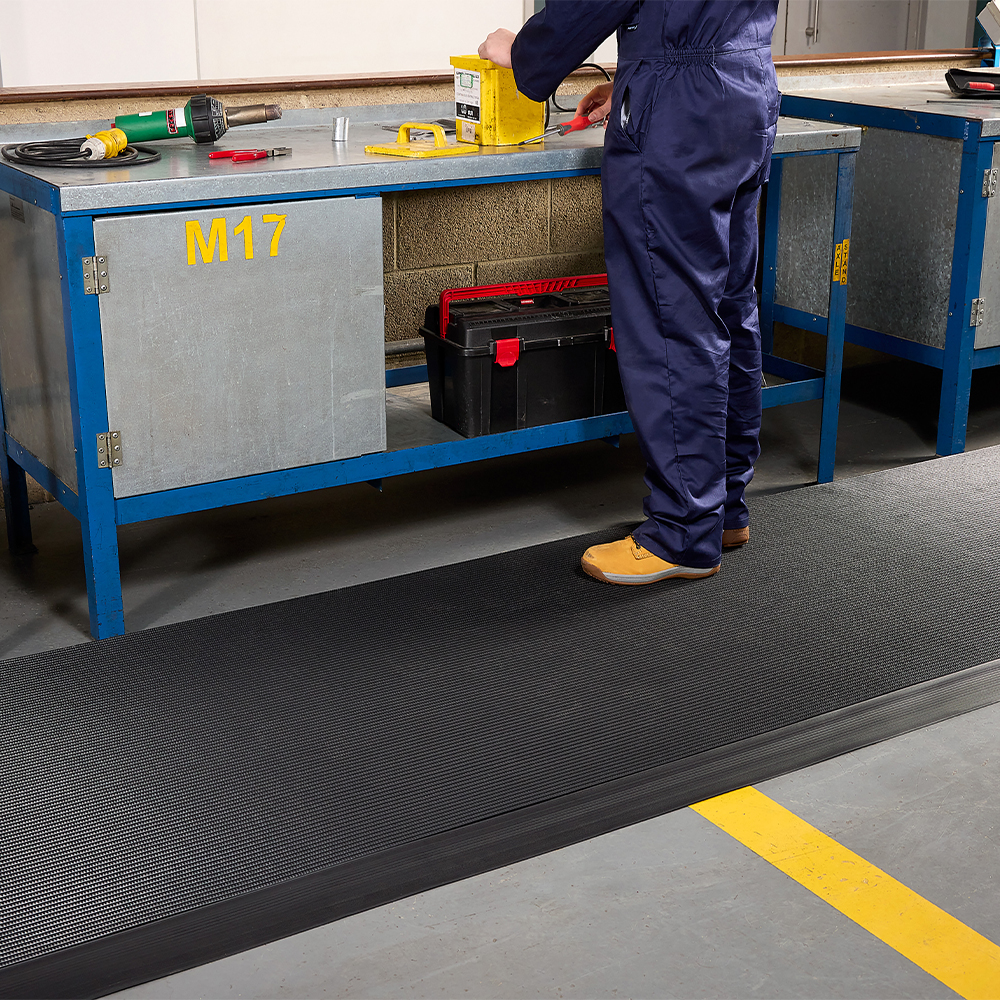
26,95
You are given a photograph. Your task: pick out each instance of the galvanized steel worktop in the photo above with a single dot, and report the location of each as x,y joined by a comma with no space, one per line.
232,348
319,165
905,93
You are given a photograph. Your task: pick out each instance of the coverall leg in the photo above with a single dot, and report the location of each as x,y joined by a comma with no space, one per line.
681,179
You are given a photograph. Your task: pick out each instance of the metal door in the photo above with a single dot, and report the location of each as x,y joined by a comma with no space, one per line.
903,235
988,332
822,26
242,340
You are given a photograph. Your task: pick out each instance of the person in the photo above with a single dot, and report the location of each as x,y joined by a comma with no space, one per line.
690,124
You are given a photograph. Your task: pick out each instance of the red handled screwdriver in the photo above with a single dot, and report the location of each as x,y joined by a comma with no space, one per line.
574,125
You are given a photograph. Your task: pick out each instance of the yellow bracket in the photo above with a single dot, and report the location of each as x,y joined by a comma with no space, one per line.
405,146
403,136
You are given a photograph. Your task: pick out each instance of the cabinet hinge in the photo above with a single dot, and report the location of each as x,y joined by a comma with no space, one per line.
96,279
990,182
109,450
978,312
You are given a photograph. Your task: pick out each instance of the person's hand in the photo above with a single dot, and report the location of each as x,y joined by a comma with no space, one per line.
597,104
496,48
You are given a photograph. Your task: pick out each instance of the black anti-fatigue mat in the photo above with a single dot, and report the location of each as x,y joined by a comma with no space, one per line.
193,790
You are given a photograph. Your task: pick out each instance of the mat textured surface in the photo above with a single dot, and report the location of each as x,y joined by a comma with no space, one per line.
186,792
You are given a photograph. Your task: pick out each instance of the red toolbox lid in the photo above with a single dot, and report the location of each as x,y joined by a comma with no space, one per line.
522,289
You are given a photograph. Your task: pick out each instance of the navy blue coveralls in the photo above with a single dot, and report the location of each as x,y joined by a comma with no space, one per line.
687,148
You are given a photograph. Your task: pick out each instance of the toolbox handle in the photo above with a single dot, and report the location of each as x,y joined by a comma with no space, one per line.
538,287
403,136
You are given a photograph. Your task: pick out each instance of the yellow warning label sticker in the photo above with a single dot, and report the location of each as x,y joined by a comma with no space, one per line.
840,256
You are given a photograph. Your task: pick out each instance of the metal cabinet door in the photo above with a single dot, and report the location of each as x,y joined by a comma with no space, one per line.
988,331
820,26
242,340
903,234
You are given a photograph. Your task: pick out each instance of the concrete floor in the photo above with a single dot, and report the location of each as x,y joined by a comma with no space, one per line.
668,908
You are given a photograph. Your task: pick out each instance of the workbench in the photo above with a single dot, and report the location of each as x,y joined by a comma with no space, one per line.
925,257
191,334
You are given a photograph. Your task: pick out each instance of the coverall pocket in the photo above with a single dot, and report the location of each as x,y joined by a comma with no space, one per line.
770,88
767,140
631,111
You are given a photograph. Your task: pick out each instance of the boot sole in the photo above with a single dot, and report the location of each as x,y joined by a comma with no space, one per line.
631,580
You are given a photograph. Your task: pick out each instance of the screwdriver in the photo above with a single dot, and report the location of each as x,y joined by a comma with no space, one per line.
574,125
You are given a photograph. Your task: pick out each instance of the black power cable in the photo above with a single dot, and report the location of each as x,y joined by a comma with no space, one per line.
66,153
600,69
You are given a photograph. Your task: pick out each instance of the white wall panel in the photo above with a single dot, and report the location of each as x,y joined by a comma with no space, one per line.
260,38
69,42
54,42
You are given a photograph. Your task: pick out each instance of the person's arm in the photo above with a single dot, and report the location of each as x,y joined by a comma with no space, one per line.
555,41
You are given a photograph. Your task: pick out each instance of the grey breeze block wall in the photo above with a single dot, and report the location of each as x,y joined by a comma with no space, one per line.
493,233
484,235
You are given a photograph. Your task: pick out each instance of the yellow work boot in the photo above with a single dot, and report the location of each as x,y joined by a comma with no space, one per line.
733,538
627,562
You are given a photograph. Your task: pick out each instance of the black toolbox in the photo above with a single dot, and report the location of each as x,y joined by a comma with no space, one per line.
503,357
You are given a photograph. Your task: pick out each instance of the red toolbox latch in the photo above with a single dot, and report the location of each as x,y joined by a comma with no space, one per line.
508,351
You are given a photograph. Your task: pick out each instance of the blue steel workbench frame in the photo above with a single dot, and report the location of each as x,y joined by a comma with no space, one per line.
959,356
100,513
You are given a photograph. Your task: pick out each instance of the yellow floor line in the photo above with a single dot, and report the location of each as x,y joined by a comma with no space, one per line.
955,954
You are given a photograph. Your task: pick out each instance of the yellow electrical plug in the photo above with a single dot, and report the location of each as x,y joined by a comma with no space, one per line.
105,145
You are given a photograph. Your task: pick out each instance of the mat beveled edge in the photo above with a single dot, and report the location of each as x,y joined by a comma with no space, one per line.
185,940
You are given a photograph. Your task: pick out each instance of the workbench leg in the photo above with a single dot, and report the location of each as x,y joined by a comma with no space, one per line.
100,558
88,405
15,499
966,273
953,413
15,504
836,318
769,257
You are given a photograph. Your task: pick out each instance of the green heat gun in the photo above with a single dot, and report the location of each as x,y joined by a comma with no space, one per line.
203,119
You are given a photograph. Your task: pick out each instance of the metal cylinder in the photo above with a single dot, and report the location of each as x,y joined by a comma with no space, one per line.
394,348
340,129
